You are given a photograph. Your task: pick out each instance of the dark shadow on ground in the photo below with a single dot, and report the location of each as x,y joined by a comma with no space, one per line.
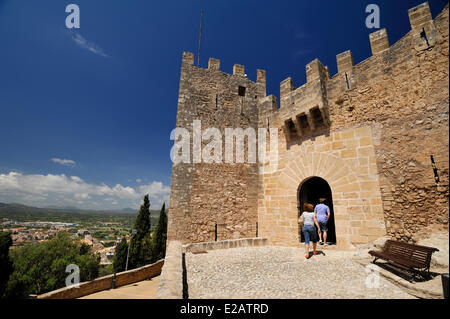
185,283
407,275
319,252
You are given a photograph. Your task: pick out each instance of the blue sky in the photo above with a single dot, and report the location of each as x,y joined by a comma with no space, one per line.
85,114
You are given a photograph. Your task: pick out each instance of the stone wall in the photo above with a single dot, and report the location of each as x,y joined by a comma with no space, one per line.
402,93
171,281
346,160
224,244
387,121
104,283
206,195
376,132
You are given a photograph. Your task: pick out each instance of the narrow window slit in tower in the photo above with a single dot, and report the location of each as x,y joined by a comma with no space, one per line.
256,229
241,91
423,34
215,232
217,100
435,171
346,81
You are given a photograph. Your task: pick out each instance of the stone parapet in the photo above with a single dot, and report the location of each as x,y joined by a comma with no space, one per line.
104,283
171,281
224,244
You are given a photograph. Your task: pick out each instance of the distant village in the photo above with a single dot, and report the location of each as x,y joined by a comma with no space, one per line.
37,231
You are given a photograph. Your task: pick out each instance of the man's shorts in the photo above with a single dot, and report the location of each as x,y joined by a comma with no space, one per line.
323,226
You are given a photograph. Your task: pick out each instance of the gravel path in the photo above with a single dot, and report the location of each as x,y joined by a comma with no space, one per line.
272,272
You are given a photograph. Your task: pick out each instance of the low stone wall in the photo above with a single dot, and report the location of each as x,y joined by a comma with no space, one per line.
171,280
224,244
104,283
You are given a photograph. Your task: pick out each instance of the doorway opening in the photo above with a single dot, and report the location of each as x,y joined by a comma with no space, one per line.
310,192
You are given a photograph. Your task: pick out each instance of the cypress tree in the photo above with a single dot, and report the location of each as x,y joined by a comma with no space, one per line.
139,255
120,255
160,236
142,223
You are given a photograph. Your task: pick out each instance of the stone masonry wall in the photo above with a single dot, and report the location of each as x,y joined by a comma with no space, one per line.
377,132
204,195
402,93
346,160
387,116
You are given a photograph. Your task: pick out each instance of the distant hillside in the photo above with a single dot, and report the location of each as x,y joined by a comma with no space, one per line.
20,209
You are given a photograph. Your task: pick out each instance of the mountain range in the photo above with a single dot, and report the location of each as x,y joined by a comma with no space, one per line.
20,208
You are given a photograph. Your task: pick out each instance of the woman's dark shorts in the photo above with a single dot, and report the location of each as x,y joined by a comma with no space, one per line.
310,233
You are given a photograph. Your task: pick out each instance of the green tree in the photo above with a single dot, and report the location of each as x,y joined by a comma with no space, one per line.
120,255
41,267
108,270
142,223
160,236
6,264
140,247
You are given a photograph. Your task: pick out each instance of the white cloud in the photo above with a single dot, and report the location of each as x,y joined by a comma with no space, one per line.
83,43
158,193
82,196
139,180
76,179
65,162
63,190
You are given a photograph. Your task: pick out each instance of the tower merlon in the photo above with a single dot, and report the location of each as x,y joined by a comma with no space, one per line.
419,15
286,87
423,29
214,64
260,76
344,61
238,69
315,70
379,41
188,58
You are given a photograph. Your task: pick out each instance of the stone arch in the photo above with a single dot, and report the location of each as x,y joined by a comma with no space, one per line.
326,166
341,178
310,190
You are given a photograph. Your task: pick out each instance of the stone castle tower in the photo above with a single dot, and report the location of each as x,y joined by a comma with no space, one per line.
372,139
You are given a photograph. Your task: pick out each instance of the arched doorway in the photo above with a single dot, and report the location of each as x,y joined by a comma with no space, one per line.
310,191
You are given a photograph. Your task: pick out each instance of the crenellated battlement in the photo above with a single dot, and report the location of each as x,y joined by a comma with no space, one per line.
299,106
214,64
310,100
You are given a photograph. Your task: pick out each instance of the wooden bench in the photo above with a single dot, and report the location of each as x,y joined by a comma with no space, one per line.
410,257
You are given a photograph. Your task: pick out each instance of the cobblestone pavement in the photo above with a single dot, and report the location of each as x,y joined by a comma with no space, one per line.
272,272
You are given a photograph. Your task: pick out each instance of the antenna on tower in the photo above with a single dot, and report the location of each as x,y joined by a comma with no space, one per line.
200,39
